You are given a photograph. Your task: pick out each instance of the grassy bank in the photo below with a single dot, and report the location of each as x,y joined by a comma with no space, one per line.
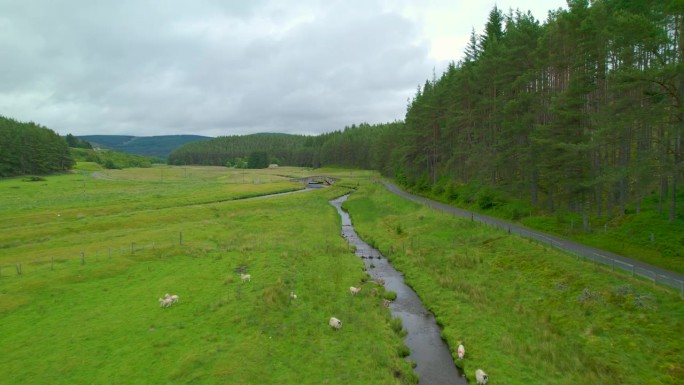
644,233
97,320
526,314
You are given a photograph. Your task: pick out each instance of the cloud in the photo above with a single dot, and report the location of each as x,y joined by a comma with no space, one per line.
213,67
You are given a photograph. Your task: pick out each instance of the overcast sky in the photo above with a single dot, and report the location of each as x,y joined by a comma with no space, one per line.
221,67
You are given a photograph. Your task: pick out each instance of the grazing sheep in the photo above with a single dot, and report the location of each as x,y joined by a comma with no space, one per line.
354,290
461,351
164,302
481,377
246,277
174,298
293,295
335,323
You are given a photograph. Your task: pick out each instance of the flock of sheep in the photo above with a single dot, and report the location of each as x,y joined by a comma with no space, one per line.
480,376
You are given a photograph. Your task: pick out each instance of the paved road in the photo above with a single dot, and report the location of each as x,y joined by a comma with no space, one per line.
615,261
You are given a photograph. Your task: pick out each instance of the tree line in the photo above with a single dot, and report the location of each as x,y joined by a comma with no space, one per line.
28,148
583,112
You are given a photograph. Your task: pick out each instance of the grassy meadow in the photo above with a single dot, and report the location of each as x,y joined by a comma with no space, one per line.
526,314
98,250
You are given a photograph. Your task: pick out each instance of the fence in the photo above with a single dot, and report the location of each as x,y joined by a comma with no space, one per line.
131,249
613,261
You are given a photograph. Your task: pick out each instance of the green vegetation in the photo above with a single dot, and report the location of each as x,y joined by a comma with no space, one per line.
28,148
646,235
113,159
159,146
101,323
525,313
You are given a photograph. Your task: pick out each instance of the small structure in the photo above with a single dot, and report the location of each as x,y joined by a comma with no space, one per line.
273,165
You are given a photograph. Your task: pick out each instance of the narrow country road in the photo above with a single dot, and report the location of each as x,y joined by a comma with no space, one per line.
656,274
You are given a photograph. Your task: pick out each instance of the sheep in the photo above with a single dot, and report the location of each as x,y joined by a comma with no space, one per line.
174,298
293,295
461,351
164,302
335,323
481,377
246,277
354,290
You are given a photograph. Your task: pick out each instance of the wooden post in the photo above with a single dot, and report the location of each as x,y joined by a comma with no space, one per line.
180,242
18,268
132,248
52,263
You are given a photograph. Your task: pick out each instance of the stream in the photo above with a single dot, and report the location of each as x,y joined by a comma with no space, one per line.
434,364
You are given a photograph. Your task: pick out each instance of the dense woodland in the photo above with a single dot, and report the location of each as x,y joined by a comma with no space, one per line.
583,112
28,148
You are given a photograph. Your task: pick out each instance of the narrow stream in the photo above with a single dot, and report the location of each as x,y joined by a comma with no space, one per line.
434,363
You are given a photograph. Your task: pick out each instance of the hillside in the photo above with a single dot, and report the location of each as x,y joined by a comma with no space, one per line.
160,146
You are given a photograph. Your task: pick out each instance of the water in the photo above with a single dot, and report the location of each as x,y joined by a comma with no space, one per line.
434,363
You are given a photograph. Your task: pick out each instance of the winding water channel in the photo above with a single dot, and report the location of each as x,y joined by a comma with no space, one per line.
434,364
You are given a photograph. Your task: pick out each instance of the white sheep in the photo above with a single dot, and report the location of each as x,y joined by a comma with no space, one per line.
335,323
164,302
246,277
174,298
293,295
481,377
354,290
461,351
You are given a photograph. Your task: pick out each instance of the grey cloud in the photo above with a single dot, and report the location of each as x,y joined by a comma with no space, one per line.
206,67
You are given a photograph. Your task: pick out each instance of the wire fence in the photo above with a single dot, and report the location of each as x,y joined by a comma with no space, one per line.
615,262
146,248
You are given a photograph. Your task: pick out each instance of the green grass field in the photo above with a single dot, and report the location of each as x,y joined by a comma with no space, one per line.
526,314
100,322
98,250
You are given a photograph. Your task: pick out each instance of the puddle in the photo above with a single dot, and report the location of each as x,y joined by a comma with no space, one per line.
434,363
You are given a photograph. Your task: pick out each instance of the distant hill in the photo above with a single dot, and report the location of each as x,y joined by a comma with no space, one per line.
160,146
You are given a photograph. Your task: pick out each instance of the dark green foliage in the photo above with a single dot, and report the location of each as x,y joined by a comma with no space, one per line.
28,148
258,159
75,142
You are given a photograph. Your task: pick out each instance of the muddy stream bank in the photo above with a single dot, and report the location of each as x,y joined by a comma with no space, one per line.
434,364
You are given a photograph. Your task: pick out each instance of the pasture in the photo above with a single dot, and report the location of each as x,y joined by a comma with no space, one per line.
526,314
98,252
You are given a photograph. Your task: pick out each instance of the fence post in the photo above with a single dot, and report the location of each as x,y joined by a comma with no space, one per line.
132,248
180,242
82,258
52,263
18,268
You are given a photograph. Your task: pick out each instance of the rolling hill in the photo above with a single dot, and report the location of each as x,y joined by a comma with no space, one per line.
160,146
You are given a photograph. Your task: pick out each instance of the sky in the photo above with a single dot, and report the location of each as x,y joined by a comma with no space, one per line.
228,67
